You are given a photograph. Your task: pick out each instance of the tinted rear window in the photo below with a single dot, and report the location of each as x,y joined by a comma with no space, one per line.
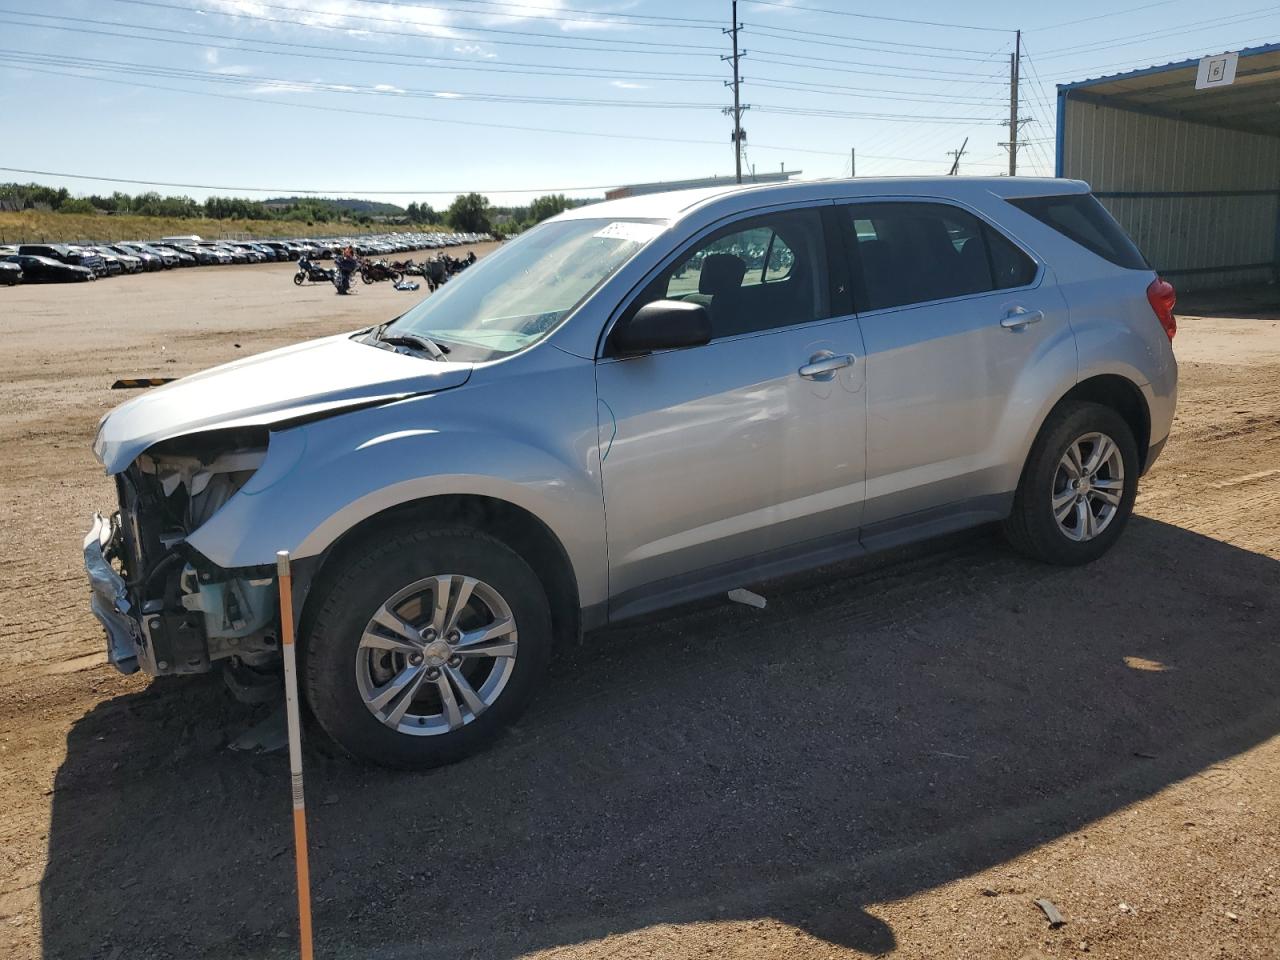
1080,217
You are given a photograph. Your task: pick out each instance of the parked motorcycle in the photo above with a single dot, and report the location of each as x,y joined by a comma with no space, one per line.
408,268
309,271
373,270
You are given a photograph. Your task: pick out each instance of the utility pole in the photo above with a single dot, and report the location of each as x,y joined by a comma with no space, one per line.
1014,63
738,136
955,167
853,163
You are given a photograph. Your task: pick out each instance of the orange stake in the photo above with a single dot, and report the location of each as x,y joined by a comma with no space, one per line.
295,752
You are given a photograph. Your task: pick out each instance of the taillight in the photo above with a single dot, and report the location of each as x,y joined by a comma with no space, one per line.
1162,297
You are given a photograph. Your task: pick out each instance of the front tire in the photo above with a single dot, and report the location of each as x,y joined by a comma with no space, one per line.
424,646
1077,488
297,279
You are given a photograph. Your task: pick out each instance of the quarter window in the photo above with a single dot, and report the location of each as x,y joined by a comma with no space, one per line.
917,252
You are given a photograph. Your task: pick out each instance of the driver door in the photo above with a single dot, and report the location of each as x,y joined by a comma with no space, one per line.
724,462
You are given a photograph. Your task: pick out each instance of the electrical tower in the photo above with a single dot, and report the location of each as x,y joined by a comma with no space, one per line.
739,136
955,167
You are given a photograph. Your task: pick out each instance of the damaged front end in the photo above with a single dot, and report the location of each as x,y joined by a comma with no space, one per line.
166,608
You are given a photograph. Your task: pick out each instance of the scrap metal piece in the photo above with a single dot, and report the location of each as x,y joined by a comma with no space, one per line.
1051,912
739,595
140,383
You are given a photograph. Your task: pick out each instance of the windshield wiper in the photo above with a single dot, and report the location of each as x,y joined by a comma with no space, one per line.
424,344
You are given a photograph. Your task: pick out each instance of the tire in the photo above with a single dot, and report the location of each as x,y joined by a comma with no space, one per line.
1071,537
297,279
342,671
364,275
394,277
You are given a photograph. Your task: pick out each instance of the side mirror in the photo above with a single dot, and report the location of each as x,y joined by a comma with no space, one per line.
663,325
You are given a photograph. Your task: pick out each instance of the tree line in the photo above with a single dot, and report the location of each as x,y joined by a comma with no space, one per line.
469,213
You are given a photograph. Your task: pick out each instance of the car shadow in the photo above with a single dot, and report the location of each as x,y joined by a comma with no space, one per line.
1244,302
881,728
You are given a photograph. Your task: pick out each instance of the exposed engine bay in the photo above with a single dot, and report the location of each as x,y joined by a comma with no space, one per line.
185,612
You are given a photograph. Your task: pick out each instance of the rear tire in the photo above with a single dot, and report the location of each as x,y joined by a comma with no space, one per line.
1068,509
397,676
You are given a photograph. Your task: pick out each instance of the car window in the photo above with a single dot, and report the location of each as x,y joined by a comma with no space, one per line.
755,275
1082,218
917,252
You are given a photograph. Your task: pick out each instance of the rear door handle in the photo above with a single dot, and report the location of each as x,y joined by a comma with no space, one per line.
824,364
1019,318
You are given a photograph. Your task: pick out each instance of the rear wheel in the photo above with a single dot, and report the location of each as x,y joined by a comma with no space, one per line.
425,645
1077,488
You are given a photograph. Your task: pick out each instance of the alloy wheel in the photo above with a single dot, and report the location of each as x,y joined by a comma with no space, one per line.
1088,487
436,655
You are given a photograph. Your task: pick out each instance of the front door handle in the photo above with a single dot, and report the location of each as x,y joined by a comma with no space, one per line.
1019,318
824,364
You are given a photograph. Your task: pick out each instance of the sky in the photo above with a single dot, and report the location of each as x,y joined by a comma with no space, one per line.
417,100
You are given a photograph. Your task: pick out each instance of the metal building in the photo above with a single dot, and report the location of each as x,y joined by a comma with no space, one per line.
1187,157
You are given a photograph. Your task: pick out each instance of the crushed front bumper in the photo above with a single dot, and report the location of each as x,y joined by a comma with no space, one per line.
109,596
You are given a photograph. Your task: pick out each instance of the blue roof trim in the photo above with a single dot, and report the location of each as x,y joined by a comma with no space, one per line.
1164,68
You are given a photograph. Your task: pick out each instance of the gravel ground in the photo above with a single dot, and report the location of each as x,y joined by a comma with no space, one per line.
896,757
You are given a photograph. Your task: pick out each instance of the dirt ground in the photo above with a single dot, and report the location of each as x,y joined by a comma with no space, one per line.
896,757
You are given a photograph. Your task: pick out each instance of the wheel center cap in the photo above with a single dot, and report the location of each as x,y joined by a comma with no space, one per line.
436,653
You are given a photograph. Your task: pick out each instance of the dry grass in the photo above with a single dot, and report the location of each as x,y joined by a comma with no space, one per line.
44,226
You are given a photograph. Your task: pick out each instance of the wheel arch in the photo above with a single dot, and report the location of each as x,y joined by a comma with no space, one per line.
1120,394
513,525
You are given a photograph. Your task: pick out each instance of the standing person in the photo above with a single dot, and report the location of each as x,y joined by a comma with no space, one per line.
346,267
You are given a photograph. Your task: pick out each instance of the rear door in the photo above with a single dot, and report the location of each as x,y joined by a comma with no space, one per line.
725,456
956,319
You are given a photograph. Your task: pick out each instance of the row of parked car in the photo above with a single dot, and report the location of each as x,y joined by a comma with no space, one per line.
70,262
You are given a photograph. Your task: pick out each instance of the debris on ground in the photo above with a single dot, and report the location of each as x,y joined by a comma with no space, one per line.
1051,912
268,736
739,595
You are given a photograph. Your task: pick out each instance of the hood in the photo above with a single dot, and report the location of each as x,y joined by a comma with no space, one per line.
312,378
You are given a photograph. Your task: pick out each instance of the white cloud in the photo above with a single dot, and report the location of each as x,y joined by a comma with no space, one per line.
444,95
388,88
211,55
627,85
475,50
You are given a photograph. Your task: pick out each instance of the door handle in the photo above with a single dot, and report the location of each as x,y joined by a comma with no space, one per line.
824,364
1019,318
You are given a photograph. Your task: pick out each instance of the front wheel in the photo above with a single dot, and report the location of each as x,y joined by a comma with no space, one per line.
364,275
297,279
1077,488
424,646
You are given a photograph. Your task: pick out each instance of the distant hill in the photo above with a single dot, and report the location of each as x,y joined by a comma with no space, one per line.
350,204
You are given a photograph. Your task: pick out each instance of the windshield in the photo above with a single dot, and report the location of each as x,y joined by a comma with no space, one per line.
517,295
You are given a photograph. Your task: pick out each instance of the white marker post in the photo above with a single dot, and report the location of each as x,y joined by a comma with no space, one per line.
295,752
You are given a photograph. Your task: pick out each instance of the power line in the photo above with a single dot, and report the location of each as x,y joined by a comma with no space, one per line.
692,51
875,94
713,24
293,190
800,56
465,63
400,33
648,138
931,54
870,16
1245,16
288,84
1103,16
842,36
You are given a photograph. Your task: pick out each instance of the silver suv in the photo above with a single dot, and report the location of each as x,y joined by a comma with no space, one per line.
635,404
